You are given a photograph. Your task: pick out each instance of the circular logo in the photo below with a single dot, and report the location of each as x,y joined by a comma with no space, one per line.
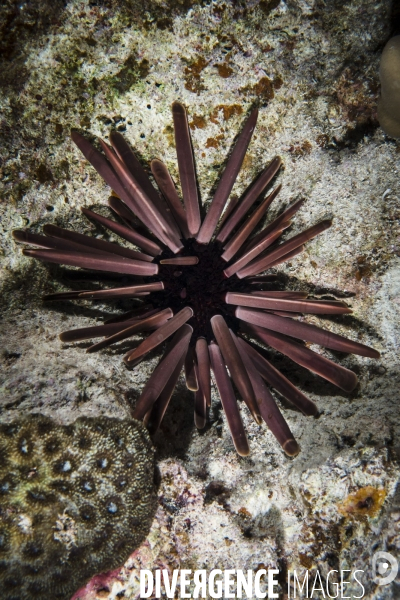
384,568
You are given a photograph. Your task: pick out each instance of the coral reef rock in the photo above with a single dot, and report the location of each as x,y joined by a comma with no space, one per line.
95,66
76,500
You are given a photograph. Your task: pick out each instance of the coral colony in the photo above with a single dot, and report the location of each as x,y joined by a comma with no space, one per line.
75,501
204,286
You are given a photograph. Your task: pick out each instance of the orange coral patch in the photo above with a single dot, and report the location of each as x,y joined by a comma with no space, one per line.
367,501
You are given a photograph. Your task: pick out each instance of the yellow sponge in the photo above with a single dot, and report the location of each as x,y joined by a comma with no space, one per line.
389,74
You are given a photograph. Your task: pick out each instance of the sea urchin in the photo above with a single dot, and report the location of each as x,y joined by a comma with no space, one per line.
207,295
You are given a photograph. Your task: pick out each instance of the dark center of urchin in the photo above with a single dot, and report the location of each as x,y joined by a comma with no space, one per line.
202,287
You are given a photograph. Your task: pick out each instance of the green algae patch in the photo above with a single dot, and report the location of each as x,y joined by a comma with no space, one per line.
131,72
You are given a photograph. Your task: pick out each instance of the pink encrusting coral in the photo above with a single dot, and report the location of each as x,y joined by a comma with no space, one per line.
98,583
202,285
